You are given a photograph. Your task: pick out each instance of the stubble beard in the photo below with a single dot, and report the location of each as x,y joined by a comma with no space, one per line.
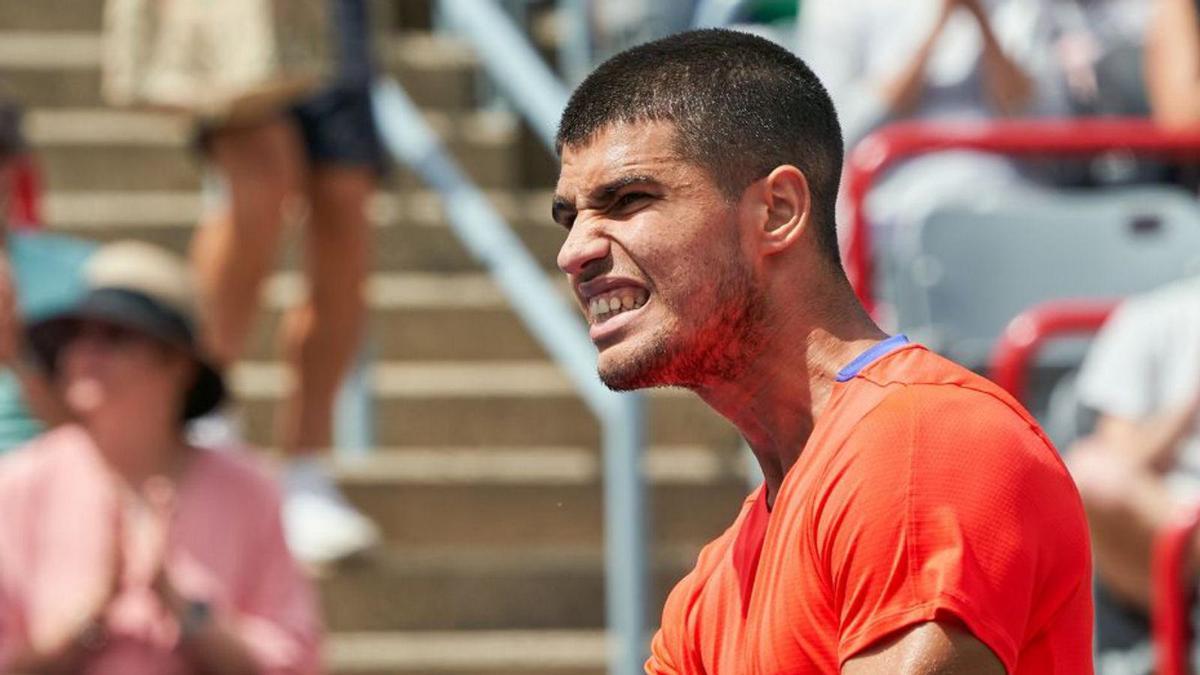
719,350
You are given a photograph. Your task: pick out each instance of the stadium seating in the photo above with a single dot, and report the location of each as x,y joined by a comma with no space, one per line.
956,277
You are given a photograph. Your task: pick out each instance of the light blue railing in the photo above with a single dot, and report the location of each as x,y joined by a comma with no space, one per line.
561,332
513,65
537,93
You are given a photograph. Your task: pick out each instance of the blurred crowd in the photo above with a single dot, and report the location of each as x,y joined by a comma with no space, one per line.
187,557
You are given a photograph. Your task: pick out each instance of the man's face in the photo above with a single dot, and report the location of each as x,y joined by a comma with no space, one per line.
654,254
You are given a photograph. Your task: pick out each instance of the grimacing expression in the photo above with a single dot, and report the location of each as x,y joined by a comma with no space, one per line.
655,257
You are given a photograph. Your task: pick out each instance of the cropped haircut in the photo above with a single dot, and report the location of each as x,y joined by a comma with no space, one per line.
740,105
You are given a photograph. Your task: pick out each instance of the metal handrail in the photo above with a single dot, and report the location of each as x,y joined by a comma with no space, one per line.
888,146
511,62
560,331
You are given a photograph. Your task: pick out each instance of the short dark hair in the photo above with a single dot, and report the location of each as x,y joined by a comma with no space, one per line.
741,106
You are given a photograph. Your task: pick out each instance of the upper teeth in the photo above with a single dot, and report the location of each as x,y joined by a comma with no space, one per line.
613,302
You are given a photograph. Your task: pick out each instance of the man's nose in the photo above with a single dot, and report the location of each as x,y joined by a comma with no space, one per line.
583,246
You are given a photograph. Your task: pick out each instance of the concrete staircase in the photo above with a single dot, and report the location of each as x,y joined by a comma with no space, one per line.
487,478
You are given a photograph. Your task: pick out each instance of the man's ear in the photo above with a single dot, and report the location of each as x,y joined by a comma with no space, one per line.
788,205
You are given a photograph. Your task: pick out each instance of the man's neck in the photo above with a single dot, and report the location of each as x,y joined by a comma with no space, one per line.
777,399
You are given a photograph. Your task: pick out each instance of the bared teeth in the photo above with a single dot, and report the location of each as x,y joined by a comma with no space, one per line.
614,302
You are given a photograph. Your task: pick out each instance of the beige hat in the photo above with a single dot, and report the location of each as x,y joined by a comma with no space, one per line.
144,288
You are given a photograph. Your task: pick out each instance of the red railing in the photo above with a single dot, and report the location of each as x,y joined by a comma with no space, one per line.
1173,595
888,146
1024,336
25,201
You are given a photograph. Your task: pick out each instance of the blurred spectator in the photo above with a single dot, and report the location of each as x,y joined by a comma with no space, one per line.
1141,465
39,273
943,60
1173,62
123,549
1100,46
315,158
324,150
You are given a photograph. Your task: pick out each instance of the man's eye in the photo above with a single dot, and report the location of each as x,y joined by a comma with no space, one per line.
629,199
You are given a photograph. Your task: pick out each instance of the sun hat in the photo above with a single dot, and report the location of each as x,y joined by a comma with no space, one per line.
144,288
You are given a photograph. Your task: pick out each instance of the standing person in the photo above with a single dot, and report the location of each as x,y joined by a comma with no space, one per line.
913,518
325,152
123,549
316,159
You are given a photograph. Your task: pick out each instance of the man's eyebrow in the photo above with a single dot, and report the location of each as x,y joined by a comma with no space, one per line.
562,209
605,192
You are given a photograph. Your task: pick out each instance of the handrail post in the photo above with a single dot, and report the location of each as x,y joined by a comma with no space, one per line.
353,420
625,537
575,50
561,333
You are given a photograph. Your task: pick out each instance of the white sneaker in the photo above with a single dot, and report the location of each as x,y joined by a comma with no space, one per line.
320,526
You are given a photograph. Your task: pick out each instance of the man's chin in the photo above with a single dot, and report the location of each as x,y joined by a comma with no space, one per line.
631,371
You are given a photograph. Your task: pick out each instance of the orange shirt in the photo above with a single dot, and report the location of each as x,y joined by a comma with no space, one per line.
924,493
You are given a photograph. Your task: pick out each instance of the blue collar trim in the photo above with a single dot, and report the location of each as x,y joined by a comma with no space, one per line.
864,359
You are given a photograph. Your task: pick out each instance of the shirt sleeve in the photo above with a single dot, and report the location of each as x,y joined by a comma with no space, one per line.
278,618
1120,375
670,652
948,507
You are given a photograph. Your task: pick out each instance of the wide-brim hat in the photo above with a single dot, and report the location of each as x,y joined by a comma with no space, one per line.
143,288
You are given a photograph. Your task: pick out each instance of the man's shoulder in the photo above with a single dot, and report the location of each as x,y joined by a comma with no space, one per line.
934,420
923,390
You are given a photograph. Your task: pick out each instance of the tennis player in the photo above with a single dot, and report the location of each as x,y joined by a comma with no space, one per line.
914,518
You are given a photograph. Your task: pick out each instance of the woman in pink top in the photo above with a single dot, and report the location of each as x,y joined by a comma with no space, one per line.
123,550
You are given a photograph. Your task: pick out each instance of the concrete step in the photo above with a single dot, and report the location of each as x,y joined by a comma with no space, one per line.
51,15
57,68
417,317
483,403
462,589
87,15
505,652
536,496
112,209
428,249
97,149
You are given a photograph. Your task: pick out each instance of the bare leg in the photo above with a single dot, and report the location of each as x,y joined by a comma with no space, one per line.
322,336
234,251
1126,508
